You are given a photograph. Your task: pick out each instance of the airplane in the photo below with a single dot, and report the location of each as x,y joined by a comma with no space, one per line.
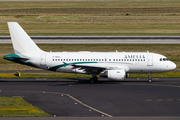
112,65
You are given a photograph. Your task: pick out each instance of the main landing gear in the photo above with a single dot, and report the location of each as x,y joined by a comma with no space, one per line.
94,79
149,78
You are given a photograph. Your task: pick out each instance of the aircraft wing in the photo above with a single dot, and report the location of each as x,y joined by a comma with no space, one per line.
89,67
97,68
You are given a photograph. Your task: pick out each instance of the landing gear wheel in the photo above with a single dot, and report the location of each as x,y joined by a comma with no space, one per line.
150,80
93,80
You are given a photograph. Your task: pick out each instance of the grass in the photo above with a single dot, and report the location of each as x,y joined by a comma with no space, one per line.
171,51
109,17
17,107
87,4
72,75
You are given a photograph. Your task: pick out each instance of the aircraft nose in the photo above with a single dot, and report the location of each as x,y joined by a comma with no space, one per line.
173,66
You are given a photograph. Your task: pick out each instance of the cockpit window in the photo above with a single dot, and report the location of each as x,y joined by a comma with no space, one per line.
164,59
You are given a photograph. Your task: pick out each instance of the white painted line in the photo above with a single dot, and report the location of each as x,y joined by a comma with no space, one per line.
169,99
103,113
159,100
88,106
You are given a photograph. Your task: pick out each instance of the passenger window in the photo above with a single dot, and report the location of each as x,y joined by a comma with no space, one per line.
109,59
53,59
124,59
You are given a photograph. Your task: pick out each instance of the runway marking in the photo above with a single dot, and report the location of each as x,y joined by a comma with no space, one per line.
169,99
148,100
103,113
178,99
74,83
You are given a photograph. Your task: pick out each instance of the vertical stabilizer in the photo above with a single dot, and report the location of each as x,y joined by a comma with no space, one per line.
22,43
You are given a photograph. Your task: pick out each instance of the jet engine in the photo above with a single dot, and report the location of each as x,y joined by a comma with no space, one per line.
114,74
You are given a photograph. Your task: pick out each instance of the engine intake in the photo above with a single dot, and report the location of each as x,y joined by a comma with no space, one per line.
114,74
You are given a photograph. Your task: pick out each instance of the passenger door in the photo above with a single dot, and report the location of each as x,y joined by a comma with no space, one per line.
149,60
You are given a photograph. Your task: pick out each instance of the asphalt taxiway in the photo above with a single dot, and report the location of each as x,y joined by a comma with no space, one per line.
78,98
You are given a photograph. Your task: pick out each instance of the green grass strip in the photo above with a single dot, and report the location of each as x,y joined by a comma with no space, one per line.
71,75
18,107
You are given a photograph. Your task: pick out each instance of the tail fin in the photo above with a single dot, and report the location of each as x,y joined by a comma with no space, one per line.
22,43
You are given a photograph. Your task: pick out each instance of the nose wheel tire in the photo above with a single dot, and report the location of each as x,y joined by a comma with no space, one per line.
150,80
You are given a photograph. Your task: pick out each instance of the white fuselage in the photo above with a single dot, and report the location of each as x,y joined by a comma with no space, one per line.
131,62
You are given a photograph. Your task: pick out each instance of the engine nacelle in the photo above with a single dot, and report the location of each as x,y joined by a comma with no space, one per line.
116,74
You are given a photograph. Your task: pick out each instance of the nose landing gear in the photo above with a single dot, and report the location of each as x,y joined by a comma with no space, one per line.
149,78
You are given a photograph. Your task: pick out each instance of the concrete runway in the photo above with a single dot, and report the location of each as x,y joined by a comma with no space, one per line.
78,98
99,39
